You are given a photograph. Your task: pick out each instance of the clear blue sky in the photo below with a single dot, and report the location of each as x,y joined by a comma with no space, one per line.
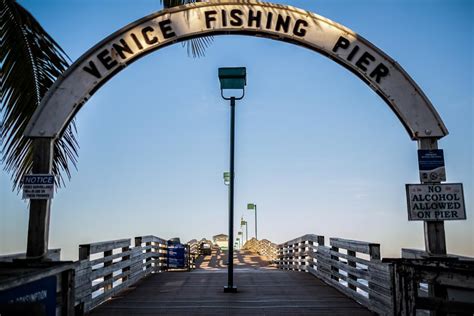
316,149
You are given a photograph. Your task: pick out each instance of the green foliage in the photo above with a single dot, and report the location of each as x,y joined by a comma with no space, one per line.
30,63
195,47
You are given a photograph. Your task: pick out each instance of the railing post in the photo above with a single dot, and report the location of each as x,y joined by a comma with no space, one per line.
149,257
374,254
164,263
300,257
352,264
138,260
68,291
310,258
84,252
320,240
84,255
138,241
107,277
334,269
126,269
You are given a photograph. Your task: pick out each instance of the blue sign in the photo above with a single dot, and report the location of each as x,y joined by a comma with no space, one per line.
177,256
431,165
41,292
38,186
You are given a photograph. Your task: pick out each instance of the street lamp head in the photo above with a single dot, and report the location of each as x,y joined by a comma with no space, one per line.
226,178
233,78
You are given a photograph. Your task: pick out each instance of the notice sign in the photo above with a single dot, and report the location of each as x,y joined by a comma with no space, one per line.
431,165
176,257
38,187
30,298
437,202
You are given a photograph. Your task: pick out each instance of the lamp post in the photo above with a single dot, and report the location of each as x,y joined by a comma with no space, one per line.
242,223
232,79
252,206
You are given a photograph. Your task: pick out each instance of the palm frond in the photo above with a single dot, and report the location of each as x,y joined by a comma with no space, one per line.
175,3
195,47
30,62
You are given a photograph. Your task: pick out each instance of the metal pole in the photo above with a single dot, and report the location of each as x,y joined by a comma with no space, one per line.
256,221
246,232
230,288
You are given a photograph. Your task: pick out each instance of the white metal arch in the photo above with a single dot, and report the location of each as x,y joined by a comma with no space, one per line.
289,24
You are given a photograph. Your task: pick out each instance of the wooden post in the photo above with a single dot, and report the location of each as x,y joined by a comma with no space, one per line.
320,240
374,254
84,252
435,238
38,226
149,257
137,268
334,269
67,292
126,269
350,263
107,277
310,254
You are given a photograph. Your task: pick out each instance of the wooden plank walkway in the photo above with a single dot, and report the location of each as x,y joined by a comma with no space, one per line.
262,290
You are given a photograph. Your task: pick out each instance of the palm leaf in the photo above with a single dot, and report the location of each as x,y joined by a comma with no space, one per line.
195,47
30,62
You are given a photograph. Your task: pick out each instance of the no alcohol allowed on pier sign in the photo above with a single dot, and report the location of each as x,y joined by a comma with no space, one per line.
435,202
38,186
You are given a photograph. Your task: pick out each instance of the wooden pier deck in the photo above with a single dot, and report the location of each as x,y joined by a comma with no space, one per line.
262,290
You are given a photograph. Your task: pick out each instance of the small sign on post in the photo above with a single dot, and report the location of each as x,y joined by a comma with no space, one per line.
435,202
38,186
431,165
33,298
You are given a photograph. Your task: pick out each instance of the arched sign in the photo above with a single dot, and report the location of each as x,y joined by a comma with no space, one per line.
274,21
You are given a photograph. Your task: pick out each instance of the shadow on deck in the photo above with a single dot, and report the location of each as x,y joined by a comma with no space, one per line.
262,290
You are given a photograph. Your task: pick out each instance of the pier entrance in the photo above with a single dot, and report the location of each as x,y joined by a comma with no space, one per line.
263,290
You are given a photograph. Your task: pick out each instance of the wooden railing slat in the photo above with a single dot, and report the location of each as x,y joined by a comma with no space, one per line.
109,258
106,245
308,253
372,249
147,256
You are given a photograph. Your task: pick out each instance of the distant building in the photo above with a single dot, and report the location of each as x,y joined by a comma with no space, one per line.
221,240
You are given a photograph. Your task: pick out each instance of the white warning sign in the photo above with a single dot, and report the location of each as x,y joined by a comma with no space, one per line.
38,186
435,202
